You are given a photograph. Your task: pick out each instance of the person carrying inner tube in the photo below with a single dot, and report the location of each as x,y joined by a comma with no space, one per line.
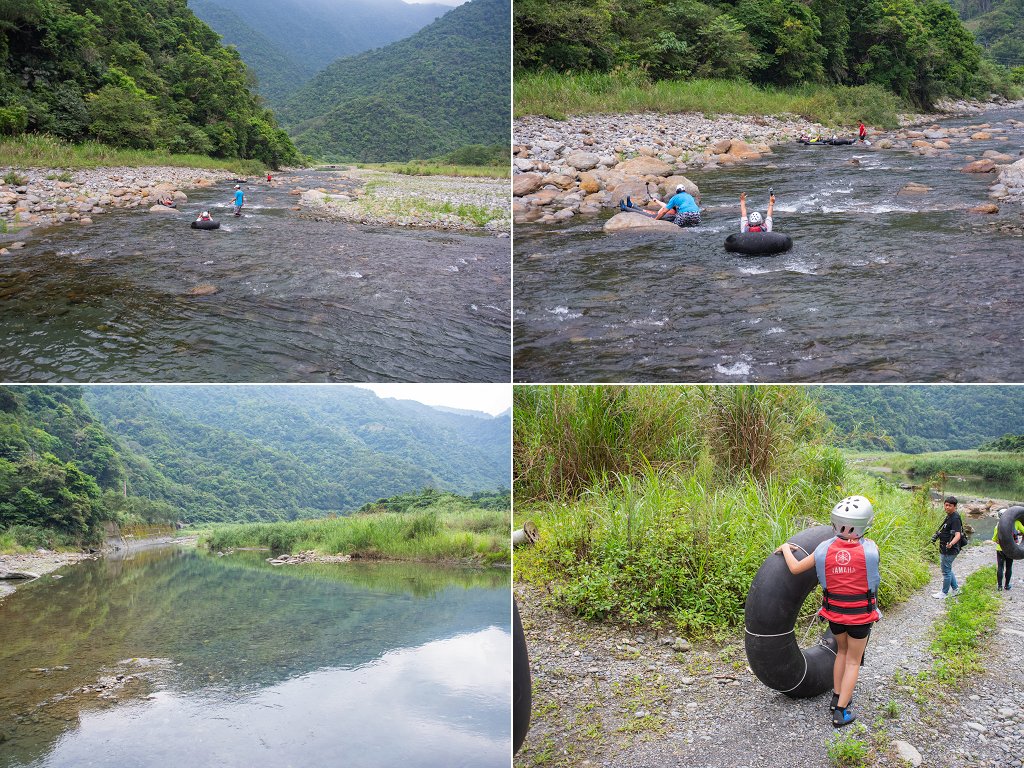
754,222
681,207
239,200
847,568
1004,564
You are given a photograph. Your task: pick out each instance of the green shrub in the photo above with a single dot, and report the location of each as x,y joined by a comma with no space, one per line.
13,119
14,179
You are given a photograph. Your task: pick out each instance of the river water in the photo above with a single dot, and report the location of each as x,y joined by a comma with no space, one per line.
879,286
232,662
299,300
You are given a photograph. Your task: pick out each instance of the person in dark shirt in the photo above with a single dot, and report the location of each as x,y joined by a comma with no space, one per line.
949,536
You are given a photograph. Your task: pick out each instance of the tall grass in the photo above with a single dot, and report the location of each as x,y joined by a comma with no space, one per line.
413,168
558,95
431,535
658,505
45,151
991,466
961,633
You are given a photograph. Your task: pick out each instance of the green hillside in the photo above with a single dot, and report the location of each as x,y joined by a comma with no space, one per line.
919,418
917,49
71,458
999,26
445,87
145,75
285,42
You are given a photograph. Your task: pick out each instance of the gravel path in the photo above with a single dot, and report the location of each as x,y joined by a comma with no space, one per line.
610,697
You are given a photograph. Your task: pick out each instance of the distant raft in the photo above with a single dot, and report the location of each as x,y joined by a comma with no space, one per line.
1004,533
206,224
773,604
758,243
827,142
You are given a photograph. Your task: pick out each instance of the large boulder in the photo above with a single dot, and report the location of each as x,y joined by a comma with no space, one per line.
525,183
668,186
644,166
163,209
313,197
985,165
589,183
621,221
720,147
981,136
997,157
740,150
1012,176
583,161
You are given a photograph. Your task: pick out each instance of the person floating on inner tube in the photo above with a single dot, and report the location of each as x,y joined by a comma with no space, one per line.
847,567
239,200
205,216
754,222
1004,564
681,208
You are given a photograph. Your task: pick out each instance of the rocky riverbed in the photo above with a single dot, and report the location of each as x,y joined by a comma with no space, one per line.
368,196
605,696
585,164
37,564
56,196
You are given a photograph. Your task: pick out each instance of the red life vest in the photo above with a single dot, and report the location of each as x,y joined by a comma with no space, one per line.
758,228
847,598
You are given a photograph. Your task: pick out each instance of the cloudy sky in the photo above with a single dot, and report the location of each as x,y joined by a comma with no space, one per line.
489,398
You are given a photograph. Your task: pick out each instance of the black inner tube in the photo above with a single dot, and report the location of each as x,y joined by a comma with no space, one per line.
1004,533
520,682
197,224
758,243
772,607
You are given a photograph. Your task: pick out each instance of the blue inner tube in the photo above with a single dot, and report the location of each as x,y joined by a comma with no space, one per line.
1004,533
770,615
205,225
758,243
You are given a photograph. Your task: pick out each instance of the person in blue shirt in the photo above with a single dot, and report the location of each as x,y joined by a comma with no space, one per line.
239,199
680,208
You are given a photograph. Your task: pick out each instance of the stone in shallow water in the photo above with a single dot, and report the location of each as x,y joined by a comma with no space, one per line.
621,221
205,289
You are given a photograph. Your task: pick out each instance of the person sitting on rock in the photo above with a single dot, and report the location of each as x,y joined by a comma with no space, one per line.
205,216
681,208
754,222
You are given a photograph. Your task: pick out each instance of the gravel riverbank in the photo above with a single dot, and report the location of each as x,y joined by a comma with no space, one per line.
38,563
605,696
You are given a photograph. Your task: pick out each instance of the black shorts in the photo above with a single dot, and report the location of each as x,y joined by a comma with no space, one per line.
856,631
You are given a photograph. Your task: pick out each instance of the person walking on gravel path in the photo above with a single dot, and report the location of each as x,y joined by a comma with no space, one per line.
1004,564
847,569
949,535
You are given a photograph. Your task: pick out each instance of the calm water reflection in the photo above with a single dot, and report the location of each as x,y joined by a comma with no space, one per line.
225,661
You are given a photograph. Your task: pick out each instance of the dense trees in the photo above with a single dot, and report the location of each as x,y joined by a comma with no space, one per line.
132,74
918,49
445,87
919,419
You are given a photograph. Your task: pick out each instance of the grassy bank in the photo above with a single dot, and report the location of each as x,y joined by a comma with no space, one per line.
435,169
559,95
658,505
431,535
961,634
43,151
991,466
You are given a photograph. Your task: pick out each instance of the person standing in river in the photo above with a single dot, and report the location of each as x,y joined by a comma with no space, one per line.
1004,564
862,132
239,199
847,569
949,535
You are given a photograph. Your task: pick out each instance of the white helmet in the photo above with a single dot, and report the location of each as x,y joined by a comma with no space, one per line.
238,186
754,219
680,188
852,516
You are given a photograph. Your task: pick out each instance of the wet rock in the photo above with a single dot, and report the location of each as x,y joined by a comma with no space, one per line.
913,188
984,165
204,289
17,575
163,209
622,221
981,136
997,157
985,208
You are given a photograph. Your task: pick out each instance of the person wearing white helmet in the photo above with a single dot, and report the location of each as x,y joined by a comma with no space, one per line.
754,222
239,200
681,208
847,569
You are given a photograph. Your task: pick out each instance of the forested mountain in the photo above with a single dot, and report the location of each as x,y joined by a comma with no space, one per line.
445,87
922,418
918,49
999,26
68,455
131,74
286,41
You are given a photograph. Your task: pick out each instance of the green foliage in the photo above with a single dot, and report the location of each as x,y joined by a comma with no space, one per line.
916,419
848,749
135,75
443,88
1006,443
448,528
961,633
917,49
14,179
477,154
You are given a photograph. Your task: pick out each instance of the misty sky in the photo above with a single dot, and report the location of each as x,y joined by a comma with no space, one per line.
489,398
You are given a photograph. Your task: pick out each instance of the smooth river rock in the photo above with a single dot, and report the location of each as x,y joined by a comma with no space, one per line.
621,221
163,209
204,289
984,165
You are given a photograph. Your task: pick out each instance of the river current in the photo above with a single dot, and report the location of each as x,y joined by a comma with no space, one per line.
298,300
879,286
173,657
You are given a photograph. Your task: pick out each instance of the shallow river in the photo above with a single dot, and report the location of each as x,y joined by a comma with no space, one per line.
232,662
299,300
879,286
